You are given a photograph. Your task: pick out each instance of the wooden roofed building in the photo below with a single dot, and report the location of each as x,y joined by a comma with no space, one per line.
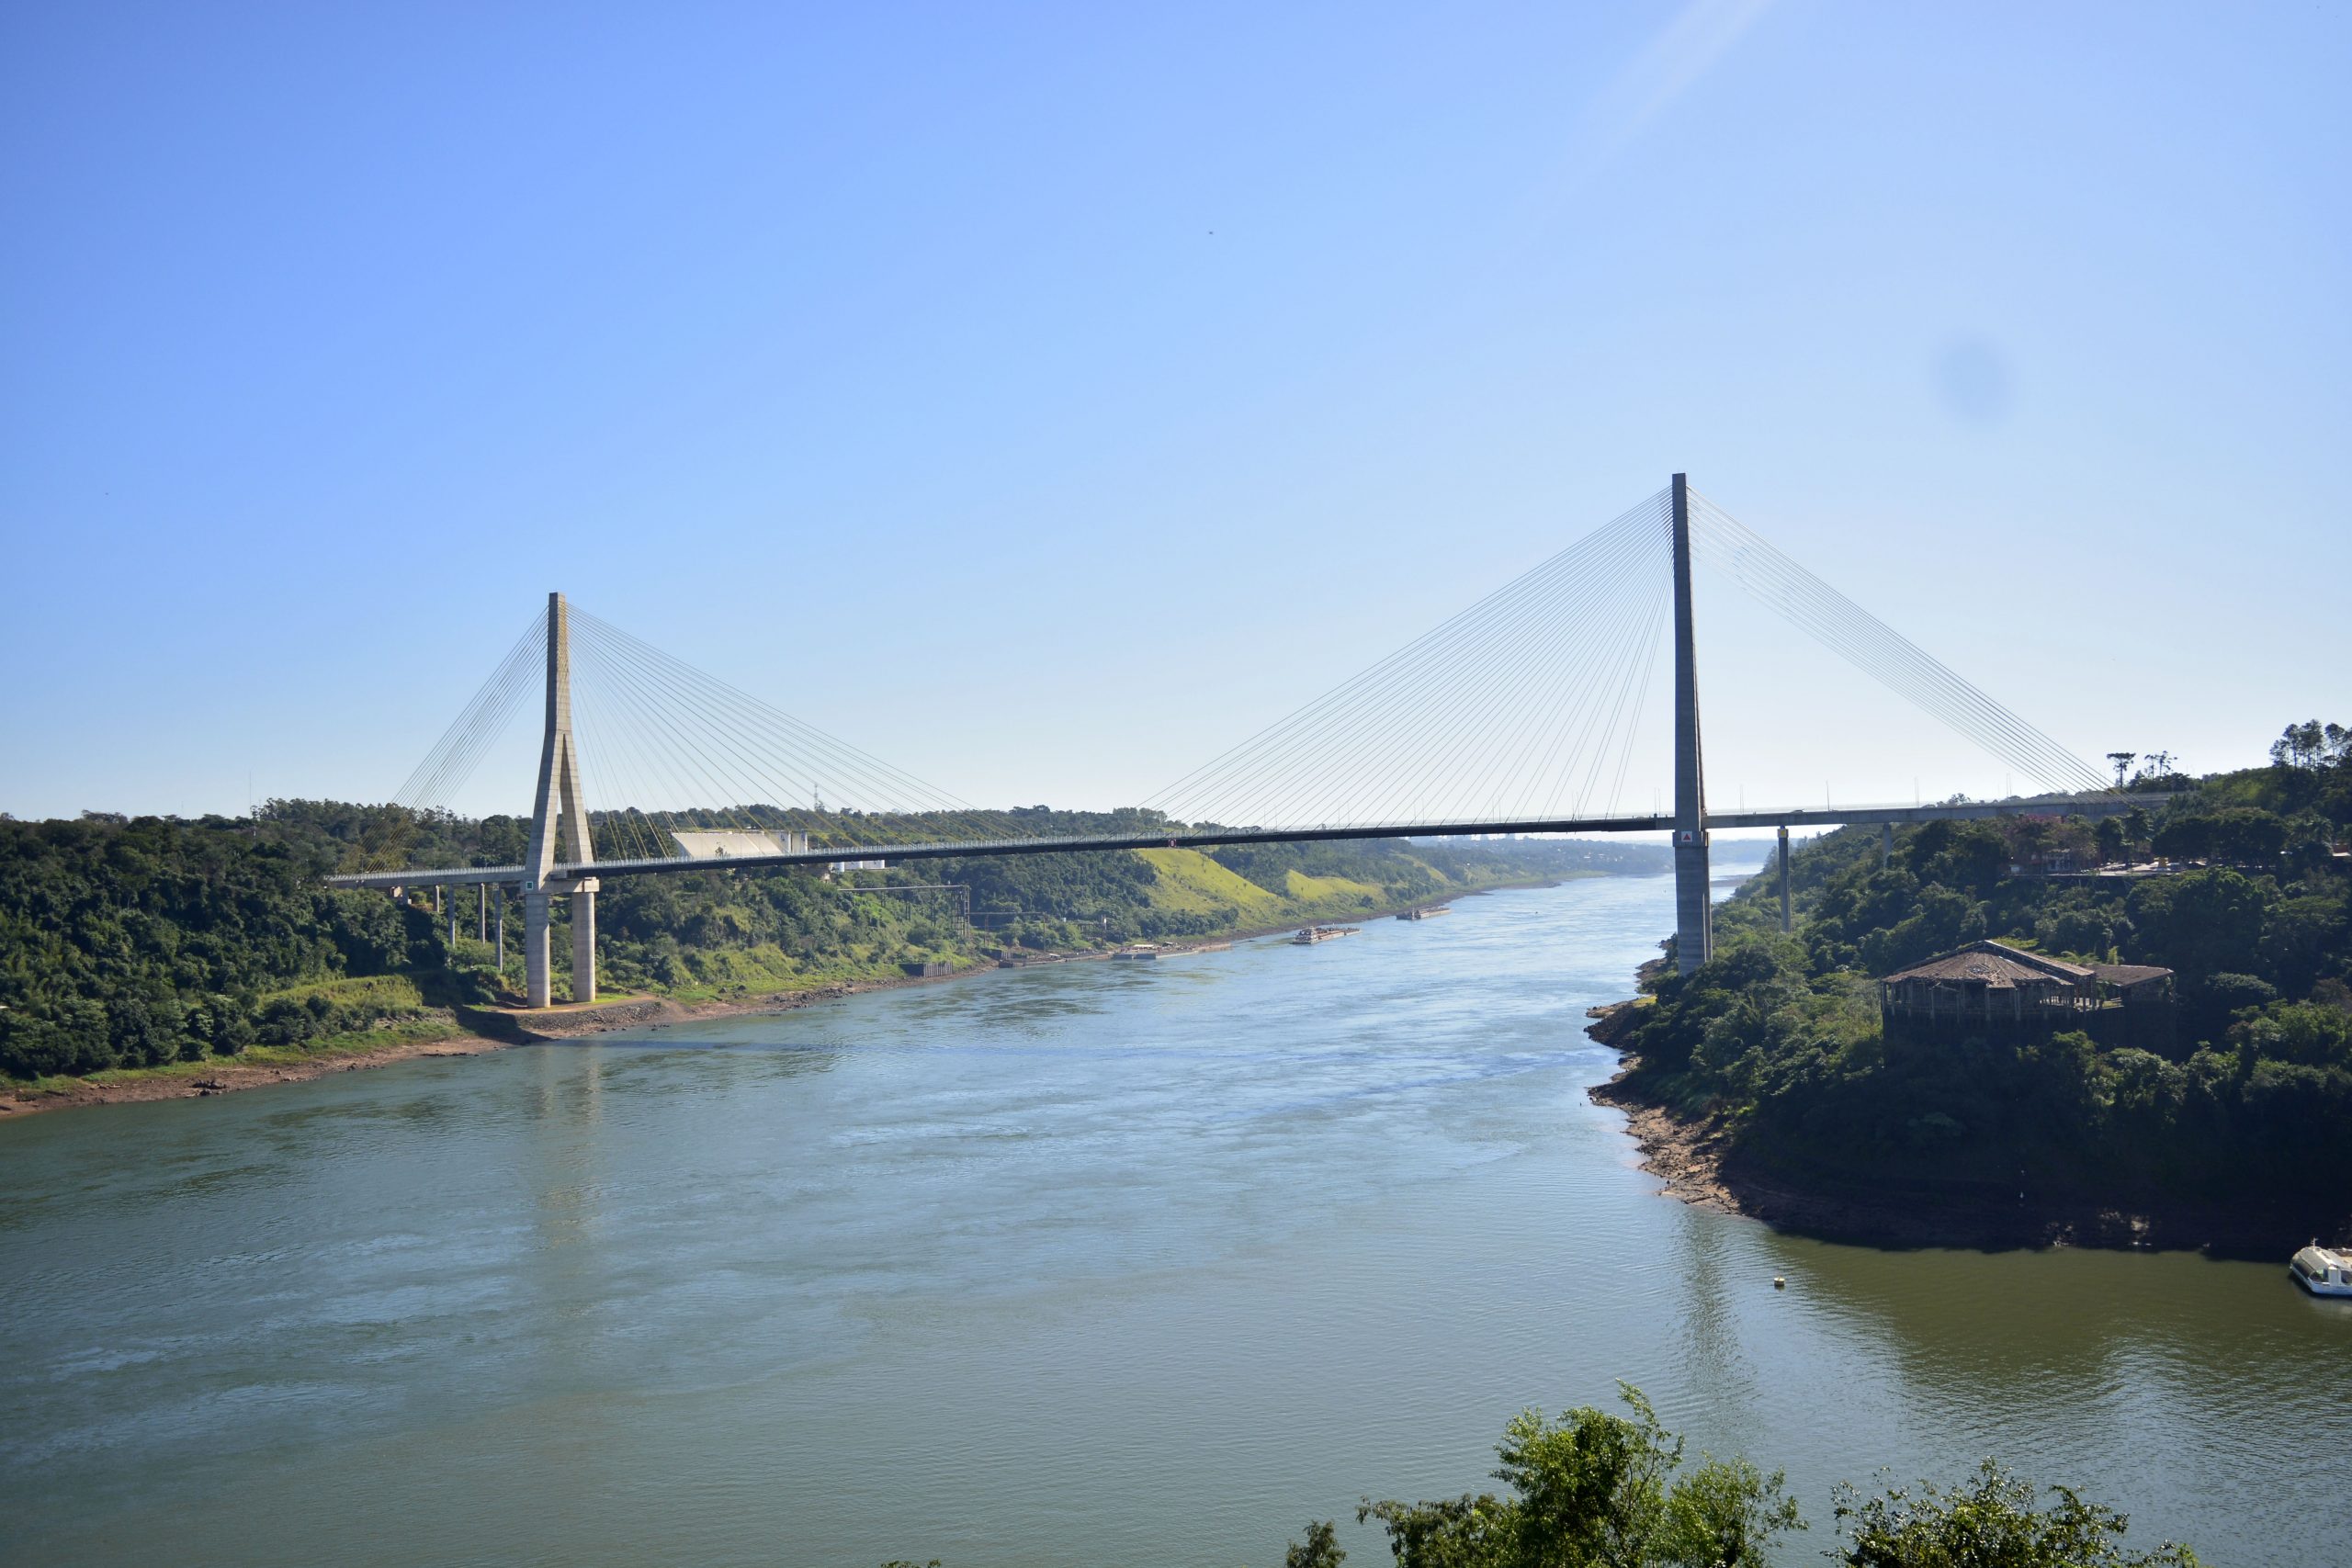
1991,990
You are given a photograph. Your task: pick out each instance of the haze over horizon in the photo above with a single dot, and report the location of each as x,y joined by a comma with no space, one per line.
1045,402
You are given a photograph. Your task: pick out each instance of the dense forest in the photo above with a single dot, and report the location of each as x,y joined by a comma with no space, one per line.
137,942
2241,889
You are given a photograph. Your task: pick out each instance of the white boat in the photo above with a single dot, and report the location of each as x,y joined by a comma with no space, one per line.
2322,1271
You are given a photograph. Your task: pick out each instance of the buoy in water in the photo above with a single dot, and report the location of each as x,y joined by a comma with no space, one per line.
1778,1283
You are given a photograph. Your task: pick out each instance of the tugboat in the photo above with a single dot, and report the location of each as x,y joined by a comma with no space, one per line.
1310,935
2323,1270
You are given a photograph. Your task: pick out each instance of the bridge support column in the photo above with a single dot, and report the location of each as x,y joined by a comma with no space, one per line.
1694,914
560,812
583,945
538,989
1885,845
1786,924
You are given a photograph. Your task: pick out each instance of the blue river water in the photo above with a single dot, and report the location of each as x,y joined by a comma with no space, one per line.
1097,1264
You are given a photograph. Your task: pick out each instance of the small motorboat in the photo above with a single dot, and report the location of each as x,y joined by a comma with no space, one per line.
2323,1270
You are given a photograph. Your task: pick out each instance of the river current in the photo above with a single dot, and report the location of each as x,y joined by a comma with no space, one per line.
1095,1264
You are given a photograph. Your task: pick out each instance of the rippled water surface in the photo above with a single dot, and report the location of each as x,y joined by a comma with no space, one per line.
1096,1264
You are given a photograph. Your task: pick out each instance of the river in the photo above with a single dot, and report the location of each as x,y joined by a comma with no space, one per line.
1096,1264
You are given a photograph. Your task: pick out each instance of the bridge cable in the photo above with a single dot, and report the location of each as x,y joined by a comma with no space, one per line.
1878,650
1443,686
1399,696
730,714
1343,702
453,757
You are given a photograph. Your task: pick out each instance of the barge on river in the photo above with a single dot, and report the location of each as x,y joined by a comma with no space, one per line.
1430,913
1310,935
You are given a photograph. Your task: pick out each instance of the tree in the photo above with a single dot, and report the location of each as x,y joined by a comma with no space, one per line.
2314,745
2122,761
1321,1548
1989,1522
1592,1490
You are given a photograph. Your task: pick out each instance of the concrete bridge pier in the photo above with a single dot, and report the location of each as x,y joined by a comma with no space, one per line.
1786,923
584,943
539,988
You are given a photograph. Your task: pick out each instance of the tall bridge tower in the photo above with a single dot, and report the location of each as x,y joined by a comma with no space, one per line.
1695,915
558,805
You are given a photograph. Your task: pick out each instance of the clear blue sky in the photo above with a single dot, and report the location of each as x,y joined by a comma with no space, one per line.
1045,397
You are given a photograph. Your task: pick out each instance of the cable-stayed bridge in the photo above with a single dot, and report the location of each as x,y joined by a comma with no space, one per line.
1519,715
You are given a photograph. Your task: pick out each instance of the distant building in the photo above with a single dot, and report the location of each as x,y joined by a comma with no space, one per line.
1988,989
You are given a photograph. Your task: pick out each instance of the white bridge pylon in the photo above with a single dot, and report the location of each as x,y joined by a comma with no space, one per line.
559,803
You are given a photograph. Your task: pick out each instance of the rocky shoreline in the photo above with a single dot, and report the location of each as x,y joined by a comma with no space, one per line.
1697,1162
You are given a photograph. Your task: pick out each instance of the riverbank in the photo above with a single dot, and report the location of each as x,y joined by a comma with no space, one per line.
1698,1161
468,1032
463,1031
252,1069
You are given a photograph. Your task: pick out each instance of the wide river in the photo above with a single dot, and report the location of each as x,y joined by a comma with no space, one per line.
1099,1264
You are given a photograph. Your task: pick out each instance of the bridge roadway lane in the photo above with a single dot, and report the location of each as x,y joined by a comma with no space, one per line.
2105,804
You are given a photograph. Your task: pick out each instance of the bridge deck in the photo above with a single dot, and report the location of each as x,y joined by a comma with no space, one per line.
2102,804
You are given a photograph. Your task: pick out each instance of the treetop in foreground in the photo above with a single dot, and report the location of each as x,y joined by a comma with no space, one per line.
1597,1490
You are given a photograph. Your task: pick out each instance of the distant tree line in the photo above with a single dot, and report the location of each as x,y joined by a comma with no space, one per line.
137,942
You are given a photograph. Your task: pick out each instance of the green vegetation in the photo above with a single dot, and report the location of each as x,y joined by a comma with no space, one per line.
1992,1521
139,945
1589,1488
1595,1490
2250,1106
